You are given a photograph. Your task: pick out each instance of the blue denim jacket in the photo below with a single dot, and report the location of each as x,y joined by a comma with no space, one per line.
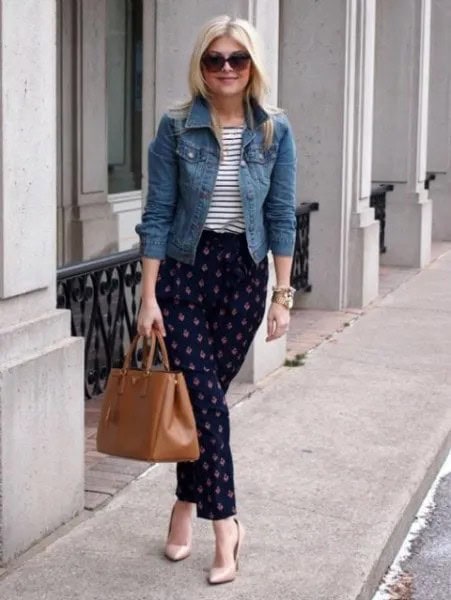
183,163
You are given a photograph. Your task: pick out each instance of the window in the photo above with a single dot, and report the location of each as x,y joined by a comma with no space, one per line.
124,83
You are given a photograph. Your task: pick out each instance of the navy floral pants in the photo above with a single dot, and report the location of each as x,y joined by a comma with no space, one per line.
211,311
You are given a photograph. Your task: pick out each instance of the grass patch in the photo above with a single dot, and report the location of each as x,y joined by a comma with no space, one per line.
297,361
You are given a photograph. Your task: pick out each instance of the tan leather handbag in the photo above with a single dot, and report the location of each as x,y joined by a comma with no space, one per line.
146,413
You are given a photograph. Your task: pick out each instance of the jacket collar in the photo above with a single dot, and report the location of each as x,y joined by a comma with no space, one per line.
199,114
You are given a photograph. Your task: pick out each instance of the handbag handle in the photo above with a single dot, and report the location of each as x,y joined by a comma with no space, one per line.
147,349
157,339
132,348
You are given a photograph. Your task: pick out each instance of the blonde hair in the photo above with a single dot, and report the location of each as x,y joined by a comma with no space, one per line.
245,34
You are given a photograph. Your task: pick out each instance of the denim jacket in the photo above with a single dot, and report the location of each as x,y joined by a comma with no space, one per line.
183,163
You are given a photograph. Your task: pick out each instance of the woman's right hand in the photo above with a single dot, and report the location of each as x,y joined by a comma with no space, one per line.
149,318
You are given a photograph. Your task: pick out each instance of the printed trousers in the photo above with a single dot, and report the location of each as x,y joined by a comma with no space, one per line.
211,311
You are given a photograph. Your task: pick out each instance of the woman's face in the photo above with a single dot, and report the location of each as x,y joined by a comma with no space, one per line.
226,80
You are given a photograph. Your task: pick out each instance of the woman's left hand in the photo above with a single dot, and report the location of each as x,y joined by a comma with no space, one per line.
278,321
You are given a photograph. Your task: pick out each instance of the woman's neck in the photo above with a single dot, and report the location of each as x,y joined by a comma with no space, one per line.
229,111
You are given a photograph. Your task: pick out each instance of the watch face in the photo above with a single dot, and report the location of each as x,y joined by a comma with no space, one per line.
290,303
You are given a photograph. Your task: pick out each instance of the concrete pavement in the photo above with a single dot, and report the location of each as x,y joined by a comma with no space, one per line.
333,459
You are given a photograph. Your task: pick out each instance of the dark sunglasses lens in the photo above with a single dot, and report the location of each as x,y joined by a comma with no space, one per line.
239,62
213,62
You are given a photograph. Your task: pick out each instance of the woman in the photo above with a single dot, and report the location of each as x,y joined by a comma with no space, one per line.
221,194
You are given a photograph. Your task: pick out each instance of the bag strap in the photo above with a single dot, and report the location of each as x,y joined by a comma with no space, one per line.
148,354
157,339
148,348
164,351
146,351
128,356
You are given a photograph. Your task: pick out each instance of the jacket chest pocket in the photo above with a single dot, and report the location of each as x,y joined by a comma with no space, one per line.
191,162
260,162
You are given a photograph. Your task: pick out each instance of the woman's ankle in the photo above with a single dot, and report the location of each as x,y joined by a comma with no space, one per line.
184,505
224,528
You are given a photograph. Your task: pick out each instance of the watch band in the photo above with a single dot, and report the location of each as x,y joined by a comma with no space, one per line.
283,296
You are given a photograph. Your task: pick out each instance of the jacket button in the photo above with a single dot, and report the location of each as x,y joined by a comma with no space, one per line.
243,163
191,154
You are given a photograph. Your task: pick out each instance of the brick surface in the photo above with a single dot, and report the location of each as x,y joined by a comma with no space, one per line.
94,500
112,464
108,477
309,328
93,454
94,485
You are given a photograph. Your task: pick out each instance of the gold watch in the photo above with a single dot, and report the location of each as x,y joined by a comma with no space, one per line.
283,295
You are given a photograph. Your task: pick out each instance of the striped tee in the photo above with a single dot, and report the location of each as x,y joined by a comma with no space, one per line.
226,209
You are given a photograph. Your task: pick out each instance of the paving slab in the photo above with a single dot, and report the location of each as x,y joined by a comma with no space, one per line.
332,458
428,291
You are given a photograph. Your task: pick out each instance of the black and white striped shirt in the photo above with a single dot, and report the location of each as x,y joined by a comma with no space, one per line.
226,208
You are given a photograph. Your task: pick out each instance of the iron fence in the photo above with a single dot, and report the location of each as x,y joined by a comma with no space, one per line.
103,297
430,176
378,201
300,270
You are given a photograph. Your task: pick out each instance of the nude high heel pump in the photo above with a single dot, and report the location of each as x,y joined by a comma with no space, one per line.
174,552
226,574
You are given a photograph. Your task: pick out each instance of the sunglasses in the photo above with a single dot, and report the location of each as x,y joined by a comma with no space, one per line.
238,61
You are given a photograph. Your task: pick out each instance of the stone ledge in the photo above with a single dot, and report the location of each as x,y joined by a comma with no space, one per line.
29,337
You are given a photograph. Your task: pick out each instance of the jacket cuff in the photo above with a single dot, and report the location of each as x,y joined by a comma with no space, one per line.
151,248
283,246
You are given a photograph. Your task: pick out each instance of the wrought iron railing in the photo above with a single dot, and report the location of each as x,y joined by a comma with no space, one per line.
430,176
103,297
300,269
378,201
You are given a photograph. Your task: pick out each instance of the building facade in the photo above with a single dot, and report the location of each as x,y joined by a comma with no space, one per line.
366,84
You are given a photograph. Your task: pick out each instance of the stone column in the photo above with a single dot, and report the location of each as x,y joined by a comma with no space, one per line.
325,83
96,222
176,27
400,127
41,366
88,223
439,129
363,257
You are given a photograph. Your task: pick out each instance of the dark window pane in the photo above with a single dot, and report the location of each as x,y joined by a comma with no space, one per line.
124,80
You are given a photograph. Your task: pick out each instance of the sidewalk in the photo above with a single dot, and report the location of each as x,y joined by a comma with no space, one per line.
332,461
